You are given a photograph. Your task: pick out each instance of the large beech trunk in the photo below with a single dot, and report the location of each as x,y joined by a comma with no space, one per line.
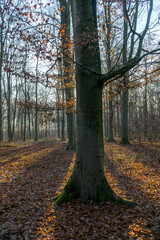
88,180
90,153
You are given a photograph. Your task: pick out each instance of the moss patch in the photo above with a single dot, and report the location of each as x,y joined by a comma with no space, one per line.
105,193
70,192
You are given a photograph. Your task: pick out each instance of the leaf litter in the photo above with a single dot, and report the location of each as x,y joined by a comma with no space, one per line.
30,176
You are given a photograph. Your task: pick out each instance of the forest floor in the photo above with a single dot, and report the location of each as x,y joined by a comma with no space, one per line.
32,173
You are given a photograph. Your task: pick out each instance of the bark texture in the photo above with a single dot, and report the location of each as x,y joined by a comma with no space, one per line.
124,116
65,21
88,180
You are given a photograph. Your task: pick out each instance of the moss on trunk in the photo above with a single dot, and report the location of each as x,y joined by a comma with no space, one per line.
104,194
69,193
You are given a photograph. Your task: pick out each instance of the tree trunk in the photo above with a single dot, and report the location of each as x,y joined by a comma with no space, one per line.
58,113
70,121
88,180
46,128
36,110
109,64
124,116
62,117
117,109
25,109
21,124
65,21
1,64
8,99
29,124
145,102
15,110
107,119
110,139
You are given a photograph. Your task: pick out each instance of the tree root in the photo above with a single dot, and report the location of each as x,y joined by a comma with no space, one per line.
69,193
104,194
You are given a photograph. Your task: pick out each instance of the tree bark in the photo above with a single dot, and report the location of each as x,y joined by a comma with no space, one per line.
1,64
145,102
124,116
88,180
25,109
109,64
58,113
36,96
65,21
62,117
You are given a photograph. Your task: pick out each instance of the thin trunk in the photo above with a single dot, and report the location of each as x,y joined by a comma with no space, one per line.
109,64
18,124
9,106
115,120
71,122
13,121
15,110
118,118
58,114
63,114
1,64
124,119
65,21
25,109
32,115
124,116
110,139
145,103
46,128
36,110
104,118
22,124
29,124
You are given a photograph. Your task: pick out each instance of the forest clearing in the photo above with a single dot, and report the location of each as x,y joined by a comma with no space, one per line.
33,173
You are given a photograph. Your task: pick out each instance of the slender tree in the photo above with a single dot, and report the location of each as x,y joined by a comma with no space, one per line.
1,65
124,115
36,97
66,48
109,67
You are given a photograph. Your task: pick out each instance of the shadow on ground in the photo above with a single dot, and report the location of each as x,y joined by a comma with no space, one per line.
29,213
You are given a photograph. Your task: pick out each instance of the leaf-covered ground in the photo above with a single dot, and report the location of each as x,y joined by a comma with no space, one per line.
30,175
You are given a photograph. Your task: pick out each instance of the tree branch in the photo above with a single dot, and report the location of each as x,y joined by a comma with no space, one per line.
128,66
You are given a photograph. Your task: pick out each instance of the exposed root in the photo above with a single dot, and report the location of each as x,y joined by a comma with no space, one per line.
70,192
104,194
56,197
